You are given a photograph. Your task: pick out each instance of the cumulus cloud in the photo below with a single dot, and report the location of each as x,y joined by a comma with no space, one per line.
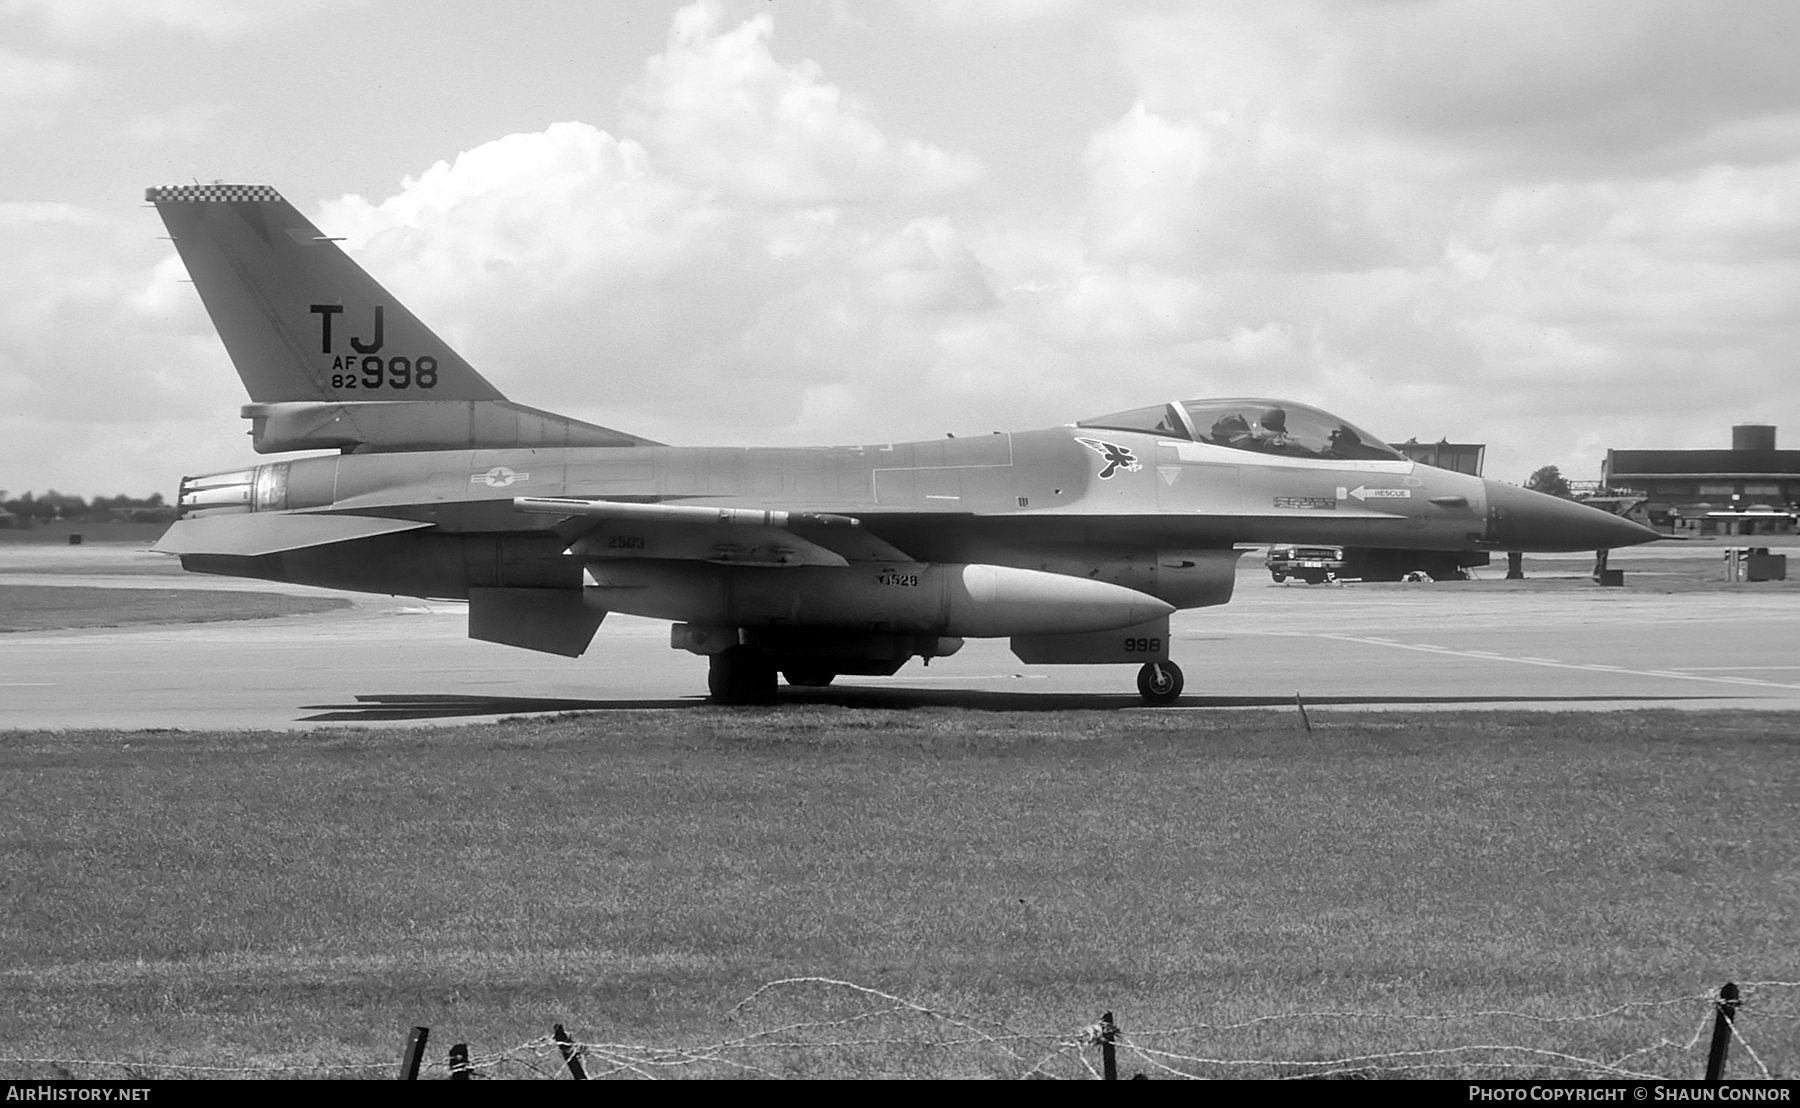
1262,219
720,111
1429,203
566,210
924,267
1227,195
1554,227
751,234
571,271
750,240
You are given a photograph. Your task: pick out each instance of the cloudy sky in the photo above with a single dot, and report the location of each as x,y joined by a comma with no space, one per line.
1554,226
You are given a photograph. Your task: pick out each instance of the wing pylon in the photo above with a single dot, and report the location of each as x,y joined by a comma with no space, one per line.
728,536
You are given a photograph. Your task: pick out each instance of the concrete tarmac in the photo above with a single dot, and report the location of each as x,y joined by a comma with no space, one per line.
1555,644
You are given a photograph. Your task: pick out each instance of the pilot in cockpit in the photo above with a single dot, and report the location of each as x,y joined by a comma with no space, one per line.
1346,443
1232,429
1271,431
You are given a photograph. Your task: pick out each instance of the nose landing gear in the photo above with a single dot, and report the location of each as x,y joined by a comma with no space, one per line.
1159,683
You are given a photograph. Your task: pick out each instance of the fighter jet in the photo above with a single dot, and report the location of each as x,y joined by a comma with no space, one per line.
1074,542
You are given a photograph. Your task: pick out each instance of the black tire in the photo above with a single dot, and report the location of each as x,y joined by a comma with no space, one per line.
809,677
741,675
1279,577
1159,683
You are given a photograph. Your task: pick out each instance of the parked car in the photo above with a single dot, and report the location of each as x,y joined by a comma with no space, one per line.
1312,564
1318,564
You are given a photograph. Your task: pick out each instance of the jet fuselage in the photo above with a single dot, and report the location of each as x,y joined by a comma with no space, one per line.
1076,541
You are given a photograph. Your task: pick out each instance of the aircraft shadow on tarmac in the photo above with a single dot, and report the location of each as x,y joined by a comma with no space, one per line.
379,707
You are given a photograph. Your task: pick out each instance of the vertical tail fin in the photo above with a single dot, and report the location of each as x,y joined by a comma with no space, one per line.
329,357
301,321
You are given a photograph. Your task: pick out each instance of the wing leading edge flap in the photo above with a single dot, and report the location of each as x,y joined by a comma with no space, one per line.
249,535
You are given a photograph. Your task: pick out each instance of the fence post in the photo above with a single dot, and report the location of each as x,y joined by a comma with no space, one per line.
1109,1059
414,1054
571,1057
1726,1014
459,1062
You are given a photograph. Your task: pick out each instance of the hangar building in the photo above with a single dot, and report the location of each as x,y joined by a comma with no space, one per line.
1463,457
1750,489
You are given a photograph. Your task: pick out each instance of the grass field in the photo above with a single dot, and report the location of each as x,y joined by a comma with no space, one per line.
64,607
264,900
61,532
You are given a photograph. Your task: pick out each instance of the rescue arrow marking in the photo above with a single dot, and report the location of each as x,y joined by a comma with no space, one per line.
1365,493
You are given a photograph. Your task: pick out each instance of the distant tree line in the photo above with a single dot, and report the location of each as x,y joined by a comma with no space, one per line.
34,508
1549,479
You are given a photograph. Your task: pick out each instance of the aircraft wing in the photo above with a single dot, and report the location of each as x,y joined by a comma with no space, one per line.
728,536
251,534
617,529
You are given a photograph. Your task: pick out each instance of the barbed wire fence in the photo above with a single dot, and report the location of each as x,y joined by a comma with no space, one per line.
801,1027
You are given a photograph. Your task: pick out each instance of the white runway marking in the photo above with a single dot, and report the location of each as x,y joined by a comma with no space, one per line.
1489,656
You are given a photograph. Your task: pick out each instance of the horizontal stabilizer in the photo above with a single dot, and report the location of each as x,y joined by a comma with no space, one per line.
249,535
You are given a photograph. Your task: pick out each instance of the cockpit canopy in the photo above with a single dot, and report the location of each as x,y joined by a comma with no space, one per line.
1262,426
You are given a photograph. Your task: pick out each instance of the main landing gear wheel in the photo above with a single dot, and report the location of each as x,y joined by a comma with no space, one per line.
1159,683
741,675
809,677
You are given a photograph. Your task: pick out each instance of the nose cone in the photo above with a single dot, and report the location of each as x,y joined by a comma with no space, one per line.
1519,519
